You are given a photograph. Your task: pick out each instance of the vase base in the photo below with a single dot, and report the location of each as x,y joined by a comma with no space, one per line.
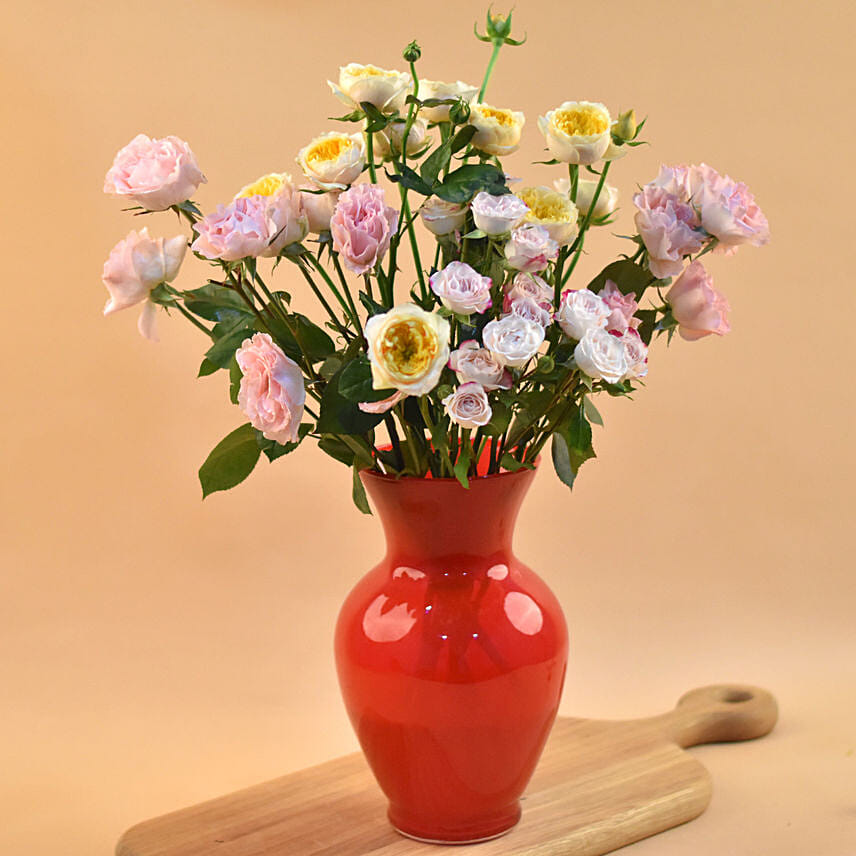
463,837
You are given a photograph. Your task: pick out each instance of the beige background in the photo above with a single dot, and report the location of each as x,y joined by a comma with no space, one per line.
157,650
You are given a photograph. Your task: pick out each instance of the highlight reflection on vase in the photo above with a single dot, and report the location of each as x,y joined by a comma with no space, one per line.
451,655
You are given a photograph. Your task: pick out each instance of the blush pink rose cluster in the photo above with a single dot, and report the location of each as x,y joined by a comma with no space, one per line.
362,226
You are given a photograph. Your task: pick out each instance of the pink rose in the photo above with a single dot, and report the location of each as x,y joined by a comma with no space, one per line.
669,229
462,289
383,405
135,266
319,208
468,406
532,310
154,173
474,363
530,285
362,225
623,307
287,221
271,394
728,209
234,231
697,307
531,249
635,354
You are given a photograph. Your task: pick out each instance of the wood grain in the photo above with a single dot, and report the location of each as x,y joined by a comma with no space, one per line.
600,785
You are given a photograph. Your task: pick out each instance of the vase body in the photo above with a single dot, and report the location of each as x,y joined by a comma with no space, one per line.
451,657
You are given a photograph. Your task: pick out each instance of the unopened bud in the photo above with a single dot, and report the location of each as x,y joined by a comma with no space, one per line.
412,52
459,112
625,127
499,26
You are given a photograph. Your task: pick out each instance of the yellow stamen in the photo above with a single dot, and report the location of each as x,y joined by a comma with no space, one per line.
267,185
409,348
502,117
581,121
547,205
328,149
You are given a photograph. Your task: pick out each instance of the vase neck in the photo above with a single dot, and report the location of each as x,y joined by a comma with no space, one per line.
436,524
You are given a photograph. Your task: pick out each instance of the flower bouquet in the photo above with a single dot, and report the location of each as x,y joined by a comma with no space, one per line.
448,372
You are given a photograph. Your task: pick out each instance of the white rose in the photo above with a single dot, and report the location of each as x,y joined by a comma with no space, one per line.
552,210
577,131
462,289
438,89
442,218
385,89
607,202
468,406
497,215
635,354
581,311
408,349
388,141
530,249
601,355
513,340
497,130
531,310
471,362
333,161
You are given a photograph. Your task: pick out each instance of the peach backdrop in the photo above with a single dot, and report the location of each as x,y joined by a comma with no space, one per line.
157,650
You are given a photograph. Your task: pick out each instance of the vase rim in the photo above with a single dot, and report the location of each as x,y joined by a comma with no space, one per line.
393,477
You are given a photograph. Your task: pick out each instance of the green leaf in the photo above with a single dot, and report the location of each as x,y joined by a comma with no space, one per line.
372,306
355,382
562,460
627,275
359,493
464,183
462,465
207,368
462,138
337,449
311,341
230,461
235,376
376,120
339,415
510,463
648,325
500,417
330,366
579,430
592,412
410,179
216,303
274,450
229,340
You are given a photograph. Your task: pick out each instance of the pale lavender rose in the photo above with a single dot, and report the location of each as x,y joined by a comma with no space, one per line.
530,285
531,249
635,354
601,355
462,289
235,231
622,308
271,393
382,406
513,340
154,173
532,310
696,305
471,362
728,209
498,215
669,229
136,265
362,226
581,310
468,406
319,208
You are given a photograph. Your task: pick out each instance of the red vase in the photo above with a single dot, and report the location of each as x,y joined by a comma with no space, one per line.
451,656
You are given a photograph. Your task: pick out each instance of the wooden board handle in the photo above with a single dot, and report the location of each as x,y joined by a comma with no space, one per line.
719,714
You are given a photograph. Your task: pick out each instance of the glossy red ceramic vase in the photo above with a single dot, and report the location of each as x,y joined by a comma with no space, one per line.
451,656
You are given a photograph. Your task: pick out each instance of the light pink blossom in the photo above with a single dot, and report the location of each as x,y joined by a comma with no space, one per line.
136,265
362,226
530,285
271,394
601,355
235,231
382,406
532,310
468,406
581,310
531,249
462,289
154,173
319,208
696,305
513,340
669,229
497,215
635,354
471,362
622,308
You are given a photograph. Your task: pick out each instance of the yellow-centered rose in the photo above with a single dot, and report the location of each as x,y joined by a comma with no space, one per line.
333,161
408,349
379,86
577,131
439,89
287,218
497,130
552,210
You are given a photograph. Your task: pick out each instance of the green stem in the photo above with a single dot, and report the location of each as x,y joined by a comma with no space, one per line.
414,246
333,317
574,176
497,46
332,286
368,281
193,320
370,157
347,291
577,247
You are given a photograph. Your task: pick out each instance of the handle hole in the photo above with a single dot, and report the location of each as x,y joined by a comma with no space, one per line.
736,696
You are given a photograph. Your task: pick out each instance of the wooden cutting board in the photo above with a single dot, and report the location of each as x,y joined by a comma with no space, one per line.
599,786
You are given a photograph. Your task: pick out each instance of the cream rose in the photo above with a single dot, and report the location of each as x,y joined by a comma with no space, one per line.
334,160
552,210
577,131
607,202
388,141
442,218
580,311
601,355
408,349
468,406
471,362
438,89
513,340
385,89
497,130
